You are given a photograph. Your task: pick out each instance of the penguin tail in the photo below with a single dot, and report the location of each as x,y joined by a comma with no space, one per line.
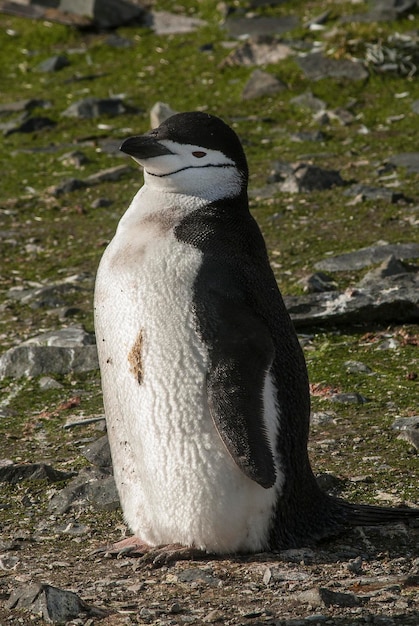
371,515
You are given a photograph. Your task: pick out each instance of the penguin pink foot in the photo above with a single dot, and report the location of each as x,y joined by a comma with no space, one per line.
156,556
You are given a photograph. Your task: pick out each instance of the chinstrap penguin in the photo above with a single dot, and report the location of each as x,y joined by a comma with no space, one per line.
205,385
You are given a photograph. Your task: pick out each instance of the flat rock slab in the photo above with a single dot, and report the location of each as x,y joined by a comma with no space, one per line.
409,160
166,23
260,26
262,84
17,472
370,255
56,606
92,487
257,53
315,66
395,299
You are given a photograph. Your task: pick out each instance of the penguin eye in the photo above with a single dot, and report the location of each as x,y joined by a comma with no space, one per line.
199,154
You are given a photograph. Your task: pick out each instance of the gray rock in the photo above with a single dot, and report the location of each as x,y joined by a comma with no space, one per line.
406,423
73,184
317,283
76,158
98,452
53,64
260,26
67,186
45,297
46,383
101,203
198,574
60,352
30,125
20,106
357,367
159,113
257,53
166,23
415,106
92,487
95,107
308,101
104,13
17,472
349,398
394,299
303,177
308,135
368,256
367,192
56,606
411,437
262,84
389,267
383,11
321,596
409,160
315,66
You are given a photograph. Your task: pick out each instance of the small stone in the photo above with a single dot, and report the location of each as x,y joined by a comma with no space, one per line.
98,452
31,125
357,367
368,256
105,14
53,604
262,84
166,23
318,283
101,203
255,53
159,113
16,472
349,398
315,66
46,383
214,616
95,107
406,423
409,160
260,26
53,64
308,101
321,596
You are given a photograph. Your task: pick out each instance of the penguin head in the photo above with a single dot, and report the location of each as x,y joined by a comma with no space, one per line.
191,153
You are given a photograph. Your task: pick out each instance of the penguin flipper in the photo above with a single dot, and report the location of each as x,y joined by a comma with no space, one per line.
241,354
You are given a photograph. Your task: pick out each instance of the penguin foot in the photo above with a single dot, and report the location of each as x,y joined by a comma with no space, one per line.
164,555
154,556
131,546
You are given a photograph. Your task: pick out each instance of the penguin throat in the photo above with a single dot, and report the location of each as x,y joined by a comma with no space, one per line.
189,167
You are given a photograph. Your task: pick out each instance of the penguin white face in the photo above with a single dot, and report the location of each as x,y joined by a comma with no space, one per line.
192,154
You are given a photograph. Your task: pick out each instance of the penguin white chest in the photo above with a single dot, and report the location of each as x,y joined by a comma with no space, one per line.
176,480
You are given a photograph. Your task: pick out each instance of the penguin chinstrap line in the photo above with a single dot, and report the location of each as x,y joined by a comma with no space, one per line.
204,382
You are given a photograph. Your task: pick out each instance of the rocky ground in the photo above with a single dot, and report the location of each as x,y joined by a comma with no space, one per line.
325,98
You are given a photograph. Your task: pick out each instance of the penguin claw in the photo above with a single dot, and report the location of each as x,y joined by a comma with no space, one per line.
164,555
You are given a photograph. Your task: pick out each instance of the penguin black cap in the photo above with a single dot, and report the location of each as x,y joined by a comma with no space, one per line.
197,128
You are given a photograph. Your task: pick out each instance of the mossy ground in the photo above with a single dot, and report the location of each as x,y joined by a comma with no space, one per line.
70,235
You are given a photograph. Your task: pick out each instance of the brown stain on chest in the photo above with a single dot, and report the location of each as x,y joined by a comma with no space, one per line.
135,358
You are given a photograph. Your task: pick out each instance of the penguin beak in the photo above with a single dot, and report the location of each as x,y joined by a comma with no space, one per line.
144,147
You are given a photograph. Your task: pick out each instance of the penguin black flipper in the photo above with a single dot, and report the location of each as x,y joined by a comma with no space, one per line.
241,354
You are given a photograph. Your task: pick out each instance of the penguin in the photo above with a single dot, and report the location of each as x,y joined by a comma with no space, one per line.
205,385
